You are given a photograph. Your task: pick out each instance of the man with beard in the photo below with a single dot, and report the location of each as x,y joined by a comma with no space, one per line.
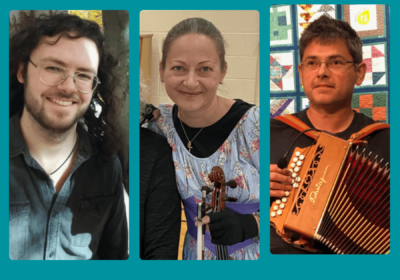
66,191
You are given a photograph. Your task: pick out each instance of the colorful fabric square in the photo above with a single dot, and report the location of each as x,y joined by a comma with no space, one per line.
372,105
281,33
280,107
281,72
305,7
308,13
367,20
375,59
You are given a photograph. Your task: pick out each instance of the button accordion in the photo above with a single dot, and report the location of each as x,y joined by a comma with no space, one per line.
340,199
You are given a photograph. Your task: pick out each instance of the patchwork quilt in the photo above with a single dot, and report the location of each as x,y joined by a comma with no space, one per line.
371,22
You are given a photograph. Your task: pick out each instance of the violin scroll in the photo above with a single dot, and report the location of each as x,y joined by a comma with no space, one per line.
217,175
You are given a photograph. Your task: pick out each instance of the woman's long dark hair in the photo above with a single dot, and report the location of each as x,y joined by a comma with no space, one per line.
24,42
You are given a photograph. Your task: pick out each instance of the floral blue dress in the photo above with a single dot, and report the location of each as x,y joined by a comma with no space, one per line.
239,157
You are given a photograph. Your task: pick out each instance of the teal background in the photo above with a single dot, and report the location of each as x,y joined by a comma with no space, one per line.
268,266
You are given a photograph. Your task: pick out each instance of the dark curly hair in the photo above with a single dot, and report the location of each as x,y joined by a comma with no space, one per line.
327,30
25,41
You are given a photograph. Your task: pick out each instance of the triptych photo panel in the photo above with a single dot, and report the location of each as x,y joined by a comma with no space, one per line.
86,183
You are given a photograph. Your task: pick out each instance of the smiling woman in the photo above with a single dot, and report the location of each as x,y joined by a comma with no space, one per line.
192,72
207,130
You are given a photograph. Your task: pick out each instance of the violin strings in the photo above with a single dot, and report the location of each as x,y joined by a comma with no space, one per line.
221,250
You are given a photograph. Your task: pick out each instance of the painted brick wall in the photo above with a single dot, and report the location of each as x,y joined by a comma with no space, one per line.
240,30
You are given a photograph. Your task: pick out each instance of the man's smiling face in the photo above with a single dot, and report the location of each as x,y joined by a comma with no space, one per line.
58,107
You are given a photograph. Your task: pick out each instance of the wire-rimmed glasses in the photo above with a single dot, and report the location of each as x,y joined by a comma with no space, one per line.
336,63
52,75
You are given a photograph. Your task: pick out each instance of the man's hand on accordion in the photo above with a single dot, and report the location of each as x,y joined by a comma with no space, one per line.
280,181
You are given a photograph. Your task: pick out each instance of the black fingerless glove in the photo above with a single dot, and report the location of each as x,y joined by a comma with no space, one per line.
228,228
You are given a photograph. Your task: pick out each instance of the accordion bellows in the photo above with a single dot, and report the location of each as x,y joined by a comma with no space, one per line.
340,199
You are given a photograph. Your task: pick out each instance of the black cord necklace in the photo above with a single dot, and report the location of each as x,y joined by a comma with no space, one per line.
73,149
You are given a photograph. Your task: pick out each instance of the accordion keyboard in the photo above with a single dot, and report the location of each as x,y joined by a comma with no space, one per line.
340,198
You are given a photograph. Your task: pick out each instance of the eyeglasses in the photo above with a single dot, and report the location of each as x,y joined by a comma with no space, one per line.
52,75
335,64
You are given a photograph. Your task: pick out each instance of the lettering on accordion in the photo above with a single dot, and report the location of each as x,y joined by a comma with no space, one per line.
314,194
342,201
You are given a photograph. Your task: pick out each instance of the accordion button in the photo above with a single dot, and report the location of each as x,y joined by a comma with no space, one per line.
295,159
298,179
299,163
302,157
291,170
294,174
273,214
297,154
293,181
295,185
282,206
287,193
278,201
296,169
292,165
279,212
284,199
276,207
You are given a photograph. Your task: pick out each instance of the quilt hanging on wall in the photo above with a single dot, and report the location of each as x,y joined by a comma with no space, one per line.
287,23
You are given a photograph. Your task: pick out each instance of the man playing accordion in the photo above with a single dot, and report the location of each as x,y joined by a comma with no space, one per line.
331,65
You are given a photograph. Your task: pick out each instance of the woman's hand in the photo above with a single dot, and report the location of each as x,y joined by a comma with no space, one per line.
280,181
228,228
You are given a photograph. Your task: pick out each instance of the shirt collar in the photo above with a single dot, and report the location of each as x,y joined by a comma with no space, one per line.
17,144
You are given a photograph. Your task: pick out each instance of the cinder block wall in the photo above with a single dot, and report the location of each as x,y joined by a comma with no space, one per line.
240,30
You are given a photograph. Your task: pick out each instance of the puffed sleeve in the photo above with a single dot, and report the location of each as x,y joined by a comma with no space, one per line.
162,124
251,132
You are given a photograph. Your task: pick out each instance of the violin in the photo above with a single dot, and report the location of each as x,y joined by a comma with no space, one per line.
219,198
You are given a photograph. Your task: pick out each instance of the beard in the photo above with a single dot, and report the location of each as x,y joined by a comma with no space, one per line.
56,123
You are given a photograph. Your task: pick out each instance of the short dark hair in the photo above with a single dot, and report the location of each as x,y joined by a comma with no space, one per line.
195,26
103,127
327,30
